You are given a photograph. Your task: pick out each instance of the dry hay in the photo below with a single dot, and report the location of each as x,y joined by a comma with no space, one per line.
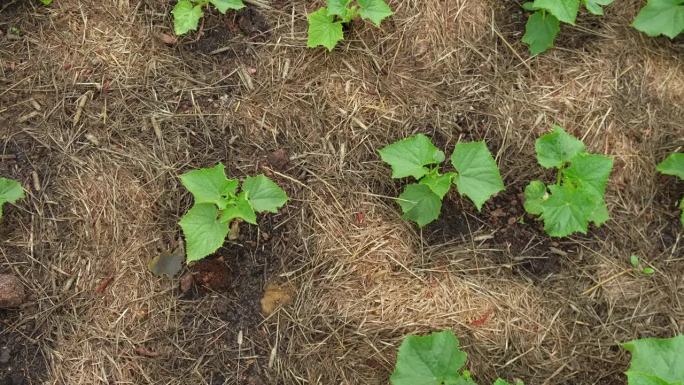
455,70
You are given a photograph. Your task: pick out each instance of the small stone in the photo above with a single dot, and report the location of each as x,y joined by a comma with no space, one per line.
12,292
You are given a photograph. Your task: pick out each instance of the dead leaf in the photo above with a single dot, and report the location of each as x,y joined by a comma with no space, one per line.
274,296
146,352
279,159
167,39
168,263
186,282
234,232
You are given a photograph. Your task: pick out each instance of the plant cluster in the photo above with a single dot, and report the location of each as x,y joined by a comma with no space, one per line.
10,192
476,175
674,165
325,25
656,361
577,197
435,359
187,13
218,203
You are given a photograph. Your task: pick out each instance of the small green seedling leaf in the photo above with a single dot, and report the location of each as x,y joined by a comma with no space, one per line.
374,10
210,185
478,176
224,5
563,10
672,165
168,263
408,157
535,195
589,172
338,8
596,6
10,192
540,32
204,233
439,184
566,211
186,16
46,2
324,30
556,148
661,17
648,271
263,194
656,361
434,359
420,204
529,6
239,208
634,261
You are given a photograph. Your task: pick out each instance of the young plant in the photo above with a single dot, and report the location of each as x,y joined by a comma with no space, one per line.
634,260
543,25
325,25
435,359
476,176
674,165
661,17
187,13
10,192
577,197
656,361
218,203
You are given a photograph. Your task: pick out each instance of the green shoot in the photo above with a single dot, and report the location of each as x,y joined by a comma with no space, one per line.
577,197
10,192
218,203
476,175
661,17
656,361
325,25
187,13
634,260
674,165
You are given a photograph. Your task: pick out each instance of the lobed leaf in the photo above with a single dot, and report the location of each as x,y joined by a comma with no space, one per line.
374,10
540,32
557,148
186,16
564,10
338,7
408,157
656,361
672,165
263,194
439,184
224,5
589,172
661,17
239,208
204,233
535,195
434,359
596,6
10,192
324,30
210,185
478,176
420,204
567,210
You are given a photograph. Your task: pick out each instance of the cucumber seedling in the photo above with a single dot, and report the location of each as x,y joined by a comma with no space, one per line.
187,13
218,202
543,25
674,165
656,361
325,25
577,197
476,175
10,192
661,17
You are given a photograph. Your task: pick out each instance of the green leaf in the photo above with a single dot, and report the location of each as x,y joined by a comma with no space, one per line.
681,208
566,211
224,5
263,194
239,208
439,184
661,17
535,194
46,2
204,233
408,157
540,32
419,204
648,271
10,192
589,172
434,359
374,10
656,361
324,30
338,7
478,176
186,16
529,6
672,165
596,6
564,10
557,148
210,185
634,261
